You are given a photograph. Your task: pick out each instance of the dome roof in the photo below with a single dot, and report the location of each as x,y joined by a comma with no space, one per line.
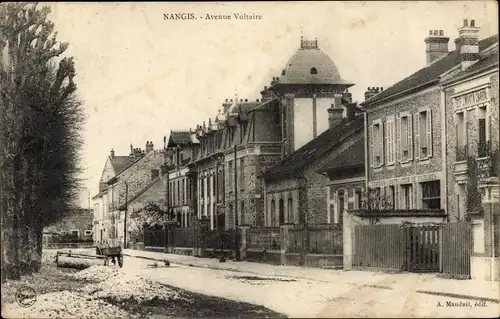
310,65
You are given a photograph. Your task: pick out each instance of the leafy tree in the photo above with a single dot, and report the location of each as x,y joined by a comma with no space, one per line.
41,133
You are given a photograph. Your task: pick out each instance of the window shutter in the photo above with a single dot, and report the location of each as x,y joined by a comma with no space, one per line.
399,151
381,143
371,138
410,137
417,137
429,132
388,143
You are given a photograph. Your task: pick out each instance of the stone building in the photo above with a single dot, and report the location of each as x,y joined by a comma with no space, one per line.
346,175
317,121
406,131
130,177
180,152
472,114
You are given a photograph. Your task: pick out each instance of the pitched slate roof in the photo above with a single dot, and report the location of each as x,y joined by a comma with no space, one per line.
120,163
428,75
293,163
351,157
179,138
484,63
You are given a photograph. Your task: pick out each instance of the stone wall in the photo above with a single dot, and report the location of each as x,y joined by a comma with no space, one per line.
431,99
138,175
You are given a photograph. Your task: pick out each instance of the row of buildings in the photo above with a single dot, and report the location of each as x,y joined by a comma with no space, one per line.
304,152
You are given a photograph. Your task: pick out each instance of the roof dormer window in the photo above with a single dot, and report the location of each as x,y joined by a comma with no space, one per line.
314,70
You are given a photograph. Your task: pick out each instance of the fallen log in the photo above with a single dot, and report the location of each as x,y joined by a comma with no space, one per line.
65,261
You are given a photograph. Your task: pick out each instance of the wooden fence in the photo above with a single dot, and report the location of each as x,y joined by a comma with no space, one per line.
456,249
417,248
379,246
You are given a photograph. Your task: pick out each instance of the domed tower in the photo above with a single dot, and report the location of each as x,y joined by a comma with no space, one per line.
309,85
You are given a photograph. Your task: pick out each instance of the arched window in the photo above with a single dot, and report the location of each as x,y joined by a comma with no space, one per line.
290,210
282,211
273,211
314,70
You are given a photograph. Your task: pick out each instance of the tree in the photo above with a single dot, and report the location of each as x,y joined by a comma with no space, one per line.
41,133
150,213
373,201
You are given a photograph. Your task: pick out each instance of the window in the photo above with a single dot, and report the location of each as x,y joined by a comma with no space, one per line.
392,196
230,175
282,211
242,174
377,144
461,132
406,196
405,138
290,209
88,232
482,143
314,70
391,147
209,189
242,213
431,198
358,199
341,206
183,198
273,211
424,134
178,193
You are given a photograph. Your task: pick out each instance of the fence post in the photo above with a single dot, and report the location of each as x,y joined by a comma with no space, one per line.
348,240
441,247
285,241
243,241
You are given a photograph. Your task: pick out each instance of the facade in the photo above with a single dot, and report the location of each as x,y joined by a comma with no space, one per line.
180,151
406,145
141,168
346,174
472,119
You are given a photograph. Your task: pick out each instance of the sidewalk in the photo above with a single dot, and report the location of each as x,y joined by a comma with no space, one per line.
420,283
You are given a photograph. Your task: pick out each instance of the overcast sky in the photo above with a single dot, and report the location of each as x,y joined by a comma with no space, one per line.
140,75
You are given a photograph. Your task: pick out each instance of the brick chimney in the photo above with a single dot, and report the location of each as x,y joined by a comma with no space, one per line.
112,153
468,44
372,91
334,116
149,146
436,46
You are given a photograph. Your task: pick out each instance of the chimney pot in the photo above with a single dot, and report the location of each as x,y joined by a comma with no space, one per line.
430,32
441,33
465,23
246,100
257,100
472,23
226,100
265,87
112,153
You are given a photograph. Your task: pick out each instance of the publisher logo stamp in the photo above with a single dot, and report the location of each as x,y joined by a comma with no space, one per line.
26,296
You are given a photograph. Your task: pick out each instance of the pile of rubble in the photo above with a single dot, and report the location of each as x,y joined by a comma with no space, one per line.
64,304
122,287
97,273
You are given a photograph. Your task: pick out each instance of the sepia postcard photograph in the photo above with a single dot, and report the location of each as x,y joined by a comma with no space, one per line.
253,159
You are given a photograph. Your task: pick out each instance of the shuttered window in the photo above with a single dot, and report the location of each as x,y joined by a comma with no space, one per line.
390,141
406,138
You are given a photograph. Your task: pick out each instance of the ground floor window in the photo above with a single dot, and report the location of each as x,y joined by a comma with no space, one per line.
341,200
406,196
431,195
358,199
282,211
